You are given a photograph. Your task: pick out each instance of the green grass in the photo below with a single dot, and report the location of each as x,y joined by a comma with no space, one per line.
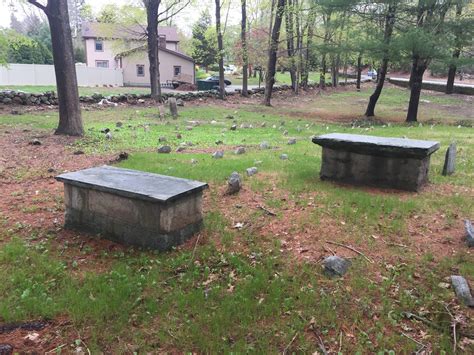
242,291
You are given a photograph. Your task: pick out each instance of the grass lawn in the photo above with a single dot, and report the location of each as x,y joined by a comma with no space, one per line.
259,288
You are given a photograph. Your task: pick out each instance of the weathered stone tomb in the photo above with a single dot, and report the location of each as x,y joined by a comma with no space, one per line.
398,163
133,207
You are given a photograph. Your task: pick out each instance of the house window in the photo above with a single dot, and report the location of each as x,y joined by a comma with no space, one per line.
140,70
177,70
99,45
102,63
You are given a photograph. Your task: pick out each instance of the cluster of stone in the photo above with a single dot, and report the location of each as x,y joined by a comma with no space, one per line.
23,98
50,98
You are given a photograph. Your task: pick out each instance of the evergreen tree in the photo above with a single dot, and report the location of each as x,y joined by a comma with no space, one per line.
204,49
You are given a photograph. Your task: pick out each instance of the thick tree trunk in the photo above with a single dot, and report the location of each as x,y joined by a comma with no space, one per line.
378,89
245,57
456,54
359,71
451,77
419,67
70,120
272,52
153,43
220,48
389,24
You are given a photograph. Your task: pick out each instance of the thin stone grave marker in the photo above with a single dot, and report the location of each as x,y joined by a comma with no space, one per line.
450,160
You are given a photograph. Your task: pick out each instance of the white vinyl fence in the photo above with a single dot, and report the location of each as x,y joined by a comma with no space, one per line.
41,74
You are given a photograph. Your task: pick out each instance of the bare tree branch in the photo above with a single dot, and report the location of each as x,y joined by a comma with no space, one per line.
39,5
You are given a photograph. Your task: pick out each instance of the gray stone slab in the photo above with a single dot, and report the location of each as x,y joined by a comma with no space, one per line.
450,160
379,146
131,183
469,233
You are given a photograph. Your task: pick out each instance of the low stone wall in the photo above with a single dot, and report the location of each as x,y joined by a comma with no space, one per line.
435,86
10,97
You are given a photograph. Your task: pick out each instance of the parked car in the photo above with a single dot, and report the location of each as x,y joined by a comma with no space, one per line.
372,73
215,79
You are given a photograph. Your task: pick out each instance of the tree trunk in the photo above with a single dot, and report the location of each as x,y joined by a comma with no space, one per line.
333,71
290,41
272,52
359,71
419,67
70,120
451,76
245,58
389,24
456,54
322,73
378,89
220,48
153,43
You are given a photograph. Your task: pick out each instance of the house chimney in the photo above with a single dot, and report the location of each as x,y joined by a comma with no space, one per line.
162,41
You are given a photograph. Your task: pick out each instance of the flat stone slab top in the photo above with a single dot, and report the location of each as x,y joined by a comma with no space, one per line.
132,183
385,146
133,207
398,163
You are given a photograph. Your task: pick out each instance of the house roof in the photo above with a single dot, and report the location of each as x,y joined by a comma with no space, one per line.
132,32
144,47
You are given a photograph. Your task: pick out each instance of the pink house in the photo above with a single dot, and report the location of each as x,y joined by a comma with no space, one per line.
119,47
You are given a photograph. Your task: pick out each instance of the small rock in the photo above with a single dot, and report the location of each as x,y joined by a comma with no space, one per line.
239,150
162,139
179,136
234,184
180,149
78,152
123,156
218,155
469,233
180,102
219,142
35,141
194,161
108,135
164,149
6,349
291,141
263,125
233,127
251,171
462,290
285,133
50,170
189,144
284,156
335,266
229,117
264,145
119,124
33,337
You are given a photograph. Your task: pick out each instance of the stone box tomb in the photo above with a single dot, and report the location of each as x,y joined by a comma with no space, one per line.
133,207
398,163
